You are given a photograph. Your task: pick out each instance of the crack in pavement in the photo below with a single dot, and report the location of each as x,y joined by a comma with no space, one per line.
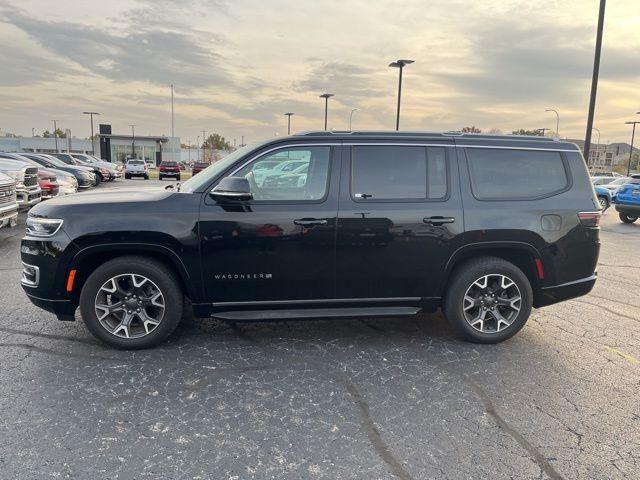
49,336
56,352
369,427
613,312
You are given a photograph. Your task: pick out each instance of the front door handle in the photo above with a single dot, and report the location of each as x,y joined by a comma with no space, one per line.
438,220
309,222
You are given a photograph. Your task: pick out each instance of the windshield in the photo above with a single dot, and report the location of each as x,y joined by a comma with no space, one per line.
209,173
55,161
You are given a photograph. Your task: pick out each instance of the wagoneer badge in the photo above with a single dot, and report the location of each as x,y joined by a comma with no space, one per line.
243,276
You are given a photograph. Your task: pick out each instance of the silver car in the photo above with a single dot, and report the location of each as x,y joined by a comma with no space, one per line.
136,168
8,203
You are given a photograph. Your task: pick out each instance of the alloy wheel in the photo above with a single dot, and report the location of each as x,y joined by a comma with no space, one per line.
129,306
492,303
603,203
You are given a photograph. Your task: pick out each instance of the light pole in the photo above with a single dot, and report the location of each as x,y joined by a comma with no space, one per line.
172,124
633,134
594,79
133,141
351,117
288,114
399,64
55,135
598,150
93,151
198,148
204,147
33,132
557,121
326,97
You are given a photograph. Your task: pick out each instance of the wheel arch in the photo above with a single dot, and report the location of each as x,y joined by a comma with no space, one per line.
88,258
522,255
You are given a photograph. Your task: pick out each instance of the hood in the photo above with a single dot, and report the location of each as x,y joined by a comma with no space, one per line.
99,203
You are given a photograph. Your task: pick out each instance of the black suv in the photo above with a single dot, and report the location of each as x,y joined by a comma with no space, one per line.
327,224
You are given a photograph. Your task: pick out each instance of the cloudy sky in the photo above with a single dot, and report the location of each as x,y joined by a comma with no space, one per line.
239,65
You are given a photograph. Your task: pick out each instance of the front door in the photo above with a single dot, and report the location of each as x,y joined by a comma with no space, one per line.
279,246
400,216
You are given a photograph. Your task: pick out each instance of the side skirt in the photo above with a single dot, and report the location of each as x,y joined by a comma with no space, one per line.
305,313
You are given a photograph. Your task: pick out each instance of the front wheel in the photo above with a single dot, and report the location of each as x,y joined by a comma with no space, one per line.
146,177
627,218
489,300
604,202
131,303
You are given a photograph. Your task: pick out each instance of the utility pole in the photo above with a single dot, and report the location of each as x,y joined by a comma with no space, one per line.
198,148
326,97
594,79
204,147
400,64
172,124
351,117
288,114
91,114
55,135
133,141
242,145
33,132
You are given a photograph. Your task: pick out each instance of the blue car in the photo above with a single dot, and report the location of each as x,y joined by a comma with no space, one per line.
604,197
627,200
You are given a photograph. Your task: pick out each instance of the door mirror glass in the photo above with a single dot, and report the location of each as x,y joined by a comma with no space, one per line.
232,188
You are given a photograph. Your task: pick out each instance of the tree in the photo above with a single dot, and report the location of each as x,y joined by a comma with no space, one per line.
216,141
522,131
58,133
495,131
472,129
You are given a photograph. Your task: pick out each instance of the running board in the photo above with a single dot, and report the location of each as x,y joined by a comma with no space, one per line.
317,313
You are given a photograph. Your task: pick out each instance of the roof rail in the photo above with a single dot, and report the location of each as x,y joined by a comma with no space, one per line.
448,133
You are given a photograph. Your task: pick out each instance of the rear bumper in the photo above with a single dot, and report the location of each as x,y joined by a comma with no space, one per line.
558,293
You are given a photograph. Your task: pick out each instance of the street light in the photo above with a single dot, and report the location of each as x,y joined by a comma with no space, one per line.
133,141
598,150
633,134
594,79
93,151
326,97
557,121
400,64
351,117
55,135
288,114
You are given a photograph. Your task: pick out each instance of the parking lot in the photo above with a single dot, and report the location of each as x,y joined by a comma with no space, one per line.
340,399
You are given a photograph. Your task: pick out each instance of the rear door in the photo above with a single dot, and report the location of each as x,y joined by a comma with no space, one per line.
400,214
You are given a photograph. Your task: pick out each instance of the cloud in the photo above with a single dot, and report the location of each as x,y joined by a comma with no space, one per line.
348,81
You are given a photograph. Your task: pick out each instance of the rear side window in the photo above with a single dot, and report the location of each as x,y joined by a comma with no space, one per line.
503,174
398,173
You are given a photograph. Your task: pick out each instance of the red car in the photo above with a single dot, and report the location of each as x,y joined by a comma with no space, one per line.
48,183
169,169
198,167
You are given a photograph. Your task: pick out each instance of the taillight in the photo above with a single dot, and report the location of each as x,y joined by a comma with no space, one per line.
590,219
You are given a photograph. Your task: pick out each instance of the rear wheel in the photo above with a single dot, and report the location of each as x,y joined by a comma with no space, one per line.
127,176
160,177
627,218
604,202
489,300
146,176
131,303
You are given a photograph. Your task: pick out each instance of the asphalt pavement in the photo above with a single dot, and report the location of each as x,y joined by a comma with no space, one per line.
341,399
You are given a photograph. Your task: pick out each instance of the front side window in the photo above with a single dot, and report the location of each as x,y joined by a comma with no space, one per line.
290,174
499,174
388,172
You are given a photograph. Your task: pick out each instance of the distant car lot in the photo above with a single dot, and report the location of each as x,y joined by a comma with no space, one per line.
343,399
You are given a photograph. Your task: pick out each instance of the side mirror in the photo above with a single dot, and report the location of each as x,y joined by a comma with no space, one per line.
232,188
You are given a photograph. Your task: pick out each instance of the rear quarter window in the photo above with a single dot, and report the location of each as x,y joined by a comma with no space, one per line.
506,174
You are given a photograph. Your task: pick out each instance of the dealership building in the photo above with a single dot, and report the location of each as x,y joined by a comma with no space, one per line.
107,145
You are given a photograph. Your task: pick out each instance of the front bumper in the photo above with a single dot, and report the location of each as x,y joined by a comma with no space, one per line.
9,215
63,309
27,198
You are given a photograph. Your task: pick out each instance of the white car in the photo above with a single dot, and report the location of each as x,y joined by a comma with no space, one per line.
136,168
8,203
281,168
614,185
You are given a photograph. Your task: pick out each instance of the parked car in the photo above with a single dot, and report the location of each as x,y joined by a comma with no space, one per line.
281,168
63,183
102,174
8,202
169,169
28,192
627,200
615,184
198,167
136,168
84,178
385,224
604,197
603,179
115,170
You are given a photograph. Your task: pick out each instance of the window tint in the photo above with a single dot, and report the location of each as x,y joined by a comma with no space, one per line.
299,173
515,174
392,172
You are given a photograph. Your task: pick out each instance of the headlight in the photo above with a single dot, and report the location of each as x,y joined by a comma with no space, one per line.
104,171
43,227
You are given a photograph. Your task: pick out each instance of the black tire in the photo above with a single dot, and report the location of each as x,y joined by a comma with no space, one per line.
178,178
464,277
160,177
146,177
627,218
604,203
127,176
154,271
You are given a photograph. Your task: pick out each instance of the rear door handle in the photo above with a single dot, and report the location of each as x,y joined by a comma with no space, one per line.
309,222
438,220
